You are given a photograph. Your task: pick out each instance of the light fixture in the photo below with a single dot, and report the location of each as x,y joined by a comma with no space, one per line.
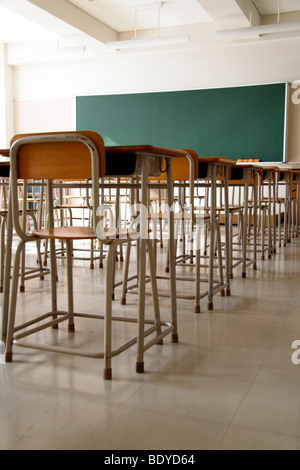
255,31
148,42
261,30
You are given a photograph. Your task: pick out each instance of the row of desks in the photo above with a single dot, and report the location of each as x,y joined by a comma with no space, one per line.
121,162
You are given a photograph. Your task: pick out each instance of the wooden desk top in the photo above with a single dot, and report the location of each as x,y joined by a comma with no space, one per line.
147,149
217,160
123,160
4,168
4,152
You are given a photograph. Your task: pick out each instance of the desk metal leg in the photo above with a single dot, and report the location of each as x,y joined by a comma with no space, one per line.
245,231
172,253
254,222
227,234
274,214
7,270
269,217
142,267
212,237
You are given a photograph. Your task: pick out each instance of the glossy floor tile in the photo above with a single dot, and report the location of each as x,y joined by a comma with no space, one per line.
228,384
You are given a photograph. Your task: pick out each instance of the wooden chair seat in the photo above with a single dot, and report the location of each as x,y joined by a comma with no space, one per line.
71,206
66,233
230,208
164,216
202,216
83,233
4,212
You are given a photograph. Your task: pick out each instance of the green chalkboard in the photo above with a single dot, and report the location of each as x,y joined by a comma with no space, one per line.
237,122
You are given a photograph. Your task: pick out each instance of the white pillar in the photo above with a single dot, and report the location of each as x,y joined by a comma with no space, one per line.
6,100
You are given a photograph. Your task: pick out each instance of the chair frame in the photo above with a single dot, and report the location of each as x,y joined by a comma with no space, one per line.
14,334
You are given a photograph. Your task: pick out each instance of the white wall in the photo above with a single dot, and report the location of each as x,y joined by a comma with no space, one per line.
264,62
44,115
227,65
6,99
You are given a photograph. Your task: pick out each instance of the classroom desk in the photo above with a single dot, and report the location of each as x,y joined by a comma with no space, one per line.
198,172
214,169
296,196
142,161
271,176
4,163
245,175
120,161
4,168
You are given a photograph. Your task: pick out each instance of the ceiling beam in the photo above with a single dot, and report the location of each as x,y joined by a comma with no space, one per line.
77,18
231,13
61,17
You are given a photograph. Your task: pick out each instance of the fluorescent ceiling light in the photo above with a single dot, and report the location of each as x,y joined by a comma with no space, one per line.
148,42
254,31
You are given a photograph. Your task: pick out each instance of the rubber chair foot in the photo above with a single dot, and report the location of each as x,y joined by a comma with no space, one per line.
139,367
222,293
174,338
22,288
210,306
244,275
123,301
107,373
8,356
71,328
92,266
197,309
228,292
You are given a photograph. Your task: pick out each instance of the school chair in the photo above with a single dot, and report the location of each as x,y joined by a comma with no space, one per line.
72,156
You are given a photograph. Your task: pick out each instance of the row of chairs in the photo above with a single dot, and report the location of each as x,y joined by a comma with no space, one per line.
79,160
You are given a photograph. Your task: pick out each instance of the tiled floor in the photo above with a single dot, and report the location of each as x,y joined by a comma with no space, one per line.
228,384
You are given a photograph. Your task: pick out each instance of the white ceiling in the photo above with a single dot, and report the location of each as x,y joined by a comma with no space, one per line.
124,15
270,7
38,24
